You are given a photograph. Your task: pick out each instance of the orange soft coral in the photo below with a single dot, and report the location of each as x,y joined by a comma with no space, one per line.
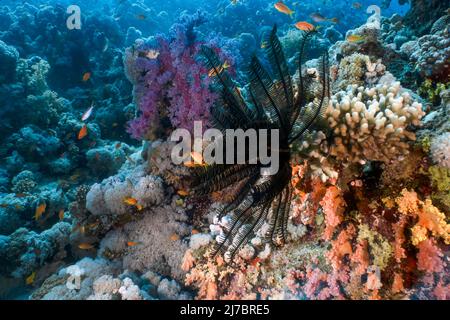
333,206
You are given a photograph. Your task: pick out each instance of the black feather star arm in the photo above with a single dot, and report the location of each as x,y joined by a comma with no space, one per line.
274,102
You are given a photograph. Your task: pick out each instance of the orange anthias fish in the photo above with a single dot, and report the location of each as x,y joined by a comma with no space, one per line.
86,76
30,279
281,7
132,243
317,17
133,202
40,209
83,132
130,201
355,38
174,237
304,26
141,17
88,113
61,214
85,246
182,193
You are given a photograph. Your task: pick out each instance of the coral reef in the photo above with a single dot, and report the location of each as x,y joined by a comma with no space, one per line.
92,207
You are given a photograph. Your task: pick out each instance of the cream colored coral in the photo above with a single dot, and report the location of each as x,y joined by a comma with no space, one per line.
371,123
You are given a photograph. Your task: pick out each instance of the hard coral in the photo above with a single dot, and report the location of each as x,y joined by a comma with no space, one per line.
371,124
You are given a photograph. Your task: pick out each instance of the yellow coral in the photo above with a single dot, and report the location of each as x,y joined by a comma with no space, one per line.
419,234
379,247
440,178
408,202
430,218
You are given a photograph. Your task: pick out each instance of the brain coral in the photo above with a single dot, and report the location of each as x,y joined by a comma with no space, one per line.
371,123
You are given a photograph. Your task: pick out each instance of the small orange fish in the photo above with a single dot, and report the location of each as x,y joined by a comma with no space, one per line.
40,209
141,17
195,231
183,193
304,26
355,38
86,76
61,214
139,207
281,7
174,237
30,279
132,243
130,201
87,113
85,246
83,132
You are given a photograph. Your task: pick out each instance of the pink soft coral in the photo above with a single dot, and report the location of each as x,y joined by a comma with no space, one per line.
169,81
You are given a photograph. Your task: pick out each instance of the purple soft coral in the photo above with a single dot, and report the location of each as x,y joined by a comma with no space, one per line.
173,84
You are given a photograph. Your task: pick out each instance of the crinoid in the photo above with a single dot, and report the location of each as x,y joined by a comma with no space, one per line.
273,101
